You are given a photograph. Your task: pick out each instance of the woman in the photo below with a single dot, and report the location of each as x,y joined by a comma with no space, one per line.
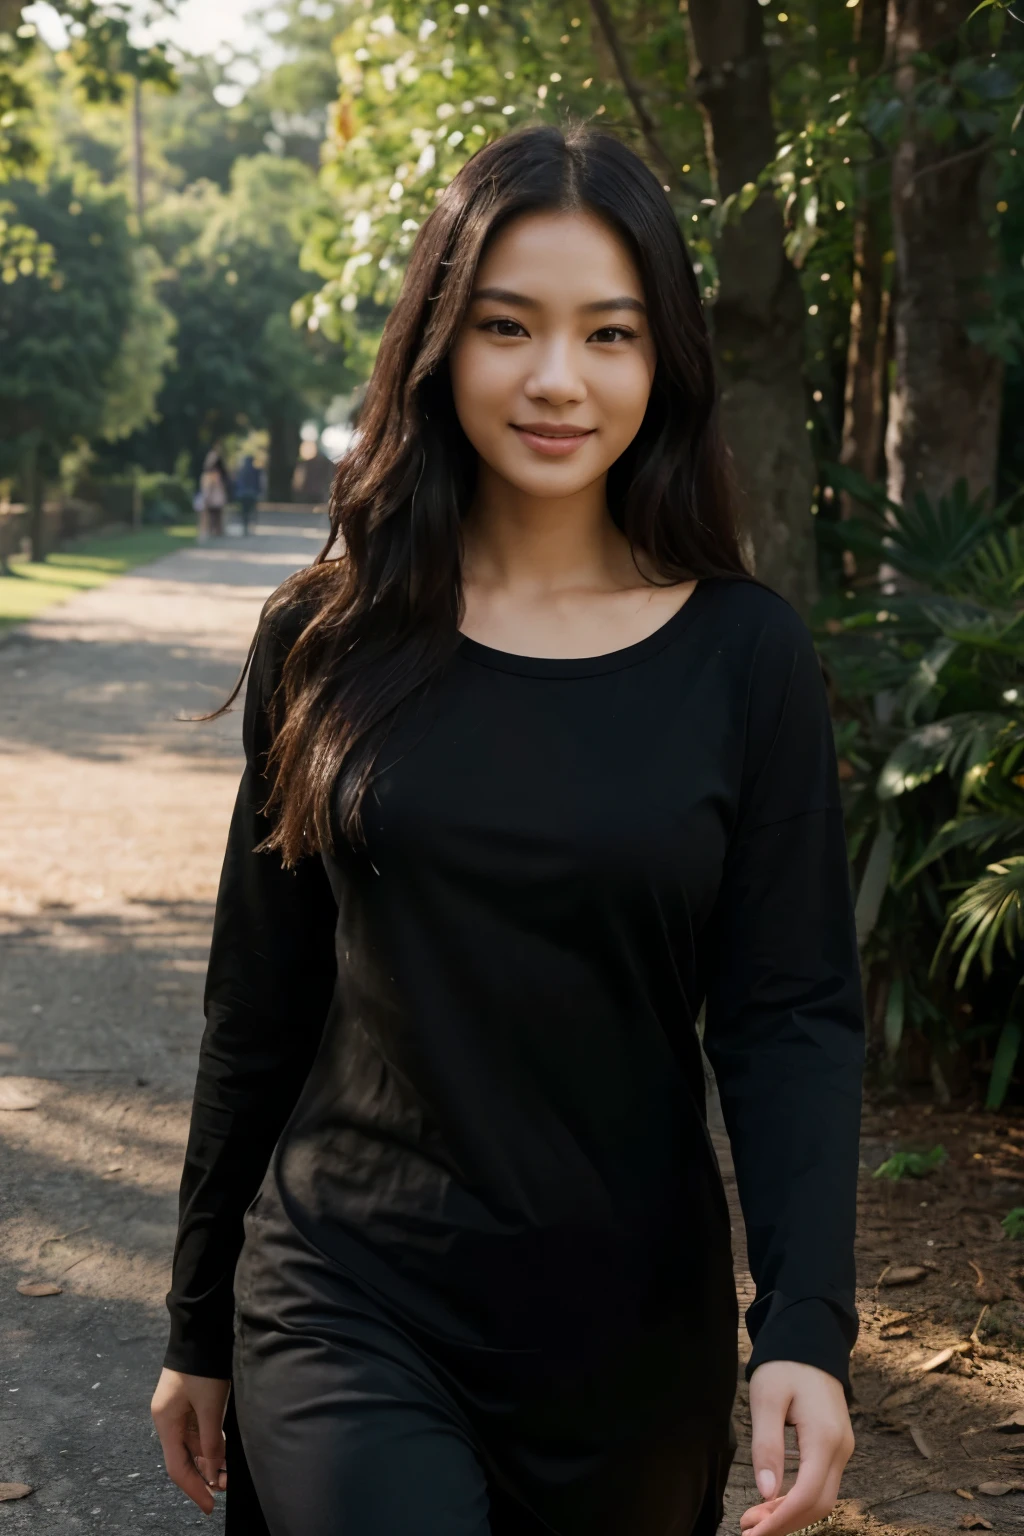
215,488
533,770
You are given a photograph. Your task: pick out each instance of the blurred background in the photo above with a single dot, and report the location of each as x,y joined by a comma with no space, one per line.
205,212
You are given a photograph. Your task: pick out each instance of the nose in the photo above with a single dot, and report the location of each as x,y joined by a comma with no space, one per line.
555,375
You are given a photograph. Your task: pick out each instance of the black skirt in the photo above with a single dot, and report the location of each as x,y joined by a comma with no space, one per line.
343,1420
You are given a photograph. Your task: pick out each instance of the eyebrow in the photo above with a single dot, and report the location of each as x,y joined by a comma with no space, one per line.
597,306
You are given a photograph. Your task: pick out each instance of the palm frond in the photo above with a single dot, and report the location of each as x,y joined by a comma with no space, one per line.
979,831
995,572
953,745
927,541
990,909
968,623
925,676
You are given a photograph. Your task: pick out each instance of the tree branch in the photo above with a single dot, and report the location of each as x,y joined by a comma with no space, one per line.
606,24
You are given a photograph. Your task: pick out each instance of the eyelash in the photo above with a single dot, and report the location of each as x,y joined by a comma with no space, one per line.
623,332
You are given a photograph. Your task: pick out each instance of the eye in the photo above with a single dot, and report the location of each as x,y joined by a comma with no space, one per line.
612,333
513,327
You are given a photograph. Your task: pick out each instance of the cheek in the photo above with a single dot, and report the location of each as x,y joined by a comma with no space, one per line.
621,394
483,381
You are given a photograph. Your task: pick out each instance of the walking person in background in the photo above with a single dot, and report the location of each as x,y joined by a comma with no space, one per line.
535,771
215,485
248,490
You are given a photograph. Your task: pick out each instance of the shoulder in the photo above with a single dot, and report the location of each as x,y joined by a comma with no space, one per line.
286,613
766,636
283,618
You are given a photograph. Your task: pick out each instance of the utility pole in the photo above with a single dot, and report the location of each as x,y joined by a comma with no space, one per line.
138,162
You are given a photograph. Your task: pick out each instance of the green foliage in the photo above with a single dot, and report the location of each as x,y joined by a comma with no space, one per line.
927,665
914,1164
99,61
166,499
22,253
417,96
230,274
61,334
1013,1222
145,354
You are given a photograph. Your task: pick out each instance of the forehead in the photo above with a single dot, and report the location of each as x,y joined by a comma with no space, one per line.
570,258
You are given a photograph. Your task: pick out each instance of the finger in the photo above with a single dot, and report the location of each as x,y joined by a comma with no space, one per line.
182,1471
751,1518
768,1442
211,1447
810,1498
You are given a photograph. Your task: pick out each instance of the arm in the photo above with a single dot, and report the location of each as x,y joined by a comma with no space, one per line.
268,990
784,1031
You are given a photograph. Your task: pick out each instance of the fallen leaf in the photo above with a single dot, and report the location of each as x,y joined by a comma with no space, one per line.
1014,1425
965,1493
39,1288
895,1333
919,1440
975,1523
114,1168
14,1491
14,1095
996,1490
903,1274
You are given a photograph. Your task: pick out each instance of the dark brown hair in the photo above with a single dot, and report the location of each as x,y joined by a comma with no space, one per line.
371,629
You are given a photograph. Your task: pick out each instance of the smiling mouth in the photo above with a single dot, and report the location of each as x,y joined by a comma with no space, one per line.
554,438
552,429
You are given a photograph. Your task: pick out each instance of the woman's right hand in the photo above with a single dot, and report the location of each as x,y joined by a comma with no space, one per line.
188,1412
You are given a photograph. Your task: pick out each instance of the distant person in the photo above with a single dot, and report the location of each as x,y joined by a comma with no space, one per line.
248,490
215,486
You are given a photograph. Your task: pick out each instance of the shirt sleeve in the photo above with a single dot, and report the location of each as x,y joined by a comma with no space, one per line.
269,986
784,1028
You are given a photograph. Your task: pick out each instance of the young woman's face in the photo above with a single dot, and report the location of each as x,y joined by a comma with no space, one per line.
552,367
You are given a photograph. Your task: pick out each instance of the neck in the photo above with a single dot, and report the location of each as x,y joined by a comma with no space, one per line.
531,543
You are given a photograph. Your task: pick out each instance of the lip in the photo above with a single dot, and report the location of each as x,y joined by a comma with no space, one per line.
556,439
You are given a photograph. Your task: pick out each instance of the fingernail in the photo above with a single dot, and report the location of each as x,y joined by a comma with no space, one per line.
765,1483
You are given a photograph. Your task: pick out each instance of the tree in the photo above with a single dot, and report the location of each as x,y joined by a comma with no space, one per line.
945,401
61,336
99,58
145,355
759,306
230,276
416,98
868,347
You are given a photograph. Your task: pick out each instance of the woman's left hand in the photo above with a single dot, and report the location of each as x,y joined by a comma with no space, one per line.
786,1392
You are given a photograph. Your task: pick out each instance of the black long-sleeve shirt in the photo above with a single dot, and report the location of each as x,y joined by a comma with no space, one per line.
473,1041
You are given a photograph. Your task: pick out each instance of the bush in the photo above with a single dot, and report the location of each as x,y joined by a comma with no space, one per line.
927,674
165,499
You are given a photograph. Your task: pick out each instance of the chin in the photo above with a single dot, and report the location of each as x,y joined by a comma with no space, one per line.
547,480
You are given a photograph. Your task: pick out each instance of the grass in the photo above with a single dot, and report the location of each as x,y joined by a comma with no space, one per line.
87,563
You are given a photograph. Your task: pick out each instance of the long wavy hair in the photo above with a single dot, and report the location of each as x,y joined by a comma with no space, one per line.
369,628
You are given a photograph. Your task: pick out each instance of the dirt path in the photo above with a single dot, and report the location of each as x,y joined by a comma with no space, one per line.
110,846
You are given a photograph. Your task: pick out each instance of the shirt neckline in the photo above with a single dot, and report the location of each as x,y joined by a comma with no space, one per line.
590,666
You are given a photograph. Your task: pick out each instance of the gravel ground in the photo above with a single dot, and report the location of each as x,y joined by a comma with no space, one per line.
110,847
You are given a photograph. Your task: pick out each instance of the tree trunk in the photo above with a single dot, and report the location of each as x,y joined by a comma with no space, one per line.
138,154
282,457
946,396
758,316
32,490
867,352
